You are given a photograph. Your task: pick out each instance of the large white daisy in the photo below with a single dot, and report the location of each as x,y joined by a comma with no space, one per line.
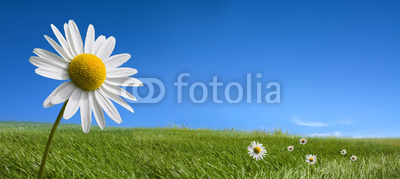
93,75
256,150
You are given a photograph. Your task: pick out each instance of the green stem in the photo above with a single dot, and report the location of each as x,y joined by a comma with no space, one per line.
53,131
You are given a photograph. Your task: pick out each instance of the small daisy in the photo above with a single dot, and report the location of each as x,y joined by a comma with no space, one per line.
94,76
353,158
303,141
256,150
343,152
290,148
311,159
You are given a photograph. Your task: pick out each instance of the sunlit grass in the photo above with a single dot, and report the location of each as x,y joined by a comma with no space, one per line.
177,152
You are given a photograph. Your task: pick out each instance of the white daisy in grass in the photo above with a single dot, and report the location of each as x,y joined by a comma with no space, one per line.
256,150
311,159
94,78
303,141
343,152
290,148
353,158
94,75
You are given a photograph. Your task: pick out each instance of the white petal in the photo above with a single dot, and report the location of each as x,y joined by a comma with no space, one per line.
89,41
64,93
47,103
47,64
117,99
48,55
119,91
108,106
86,112
116,60
40,64
73,104
121,72
106,49
49,73
62,41
76,37
68,36
97,44
58,48
127,81
44,62
97,111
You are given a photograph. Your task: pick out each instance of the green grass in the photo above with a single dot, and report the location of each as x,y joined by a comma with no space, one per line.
186,153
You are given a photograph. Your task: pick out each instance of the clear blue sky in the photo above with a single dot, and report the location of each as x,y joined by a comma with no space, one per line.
337,61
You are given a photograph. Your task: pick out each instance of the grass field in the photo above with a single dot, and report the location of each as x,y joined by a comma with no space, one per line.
186,153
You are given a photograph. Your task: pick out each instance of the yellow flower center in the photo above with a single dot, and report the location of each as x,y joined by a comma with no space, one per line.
257,150
354,158
311,159
290,148
87,71
302,140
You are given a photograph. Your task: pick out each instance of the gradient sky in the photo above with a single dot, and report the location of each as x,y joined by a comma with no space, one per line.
337,62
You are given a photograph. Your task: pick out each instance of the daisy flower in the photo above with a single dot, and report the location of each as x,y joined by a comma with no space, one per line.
311,159
343,152
303,141
290,148
353,158
93,75
256,150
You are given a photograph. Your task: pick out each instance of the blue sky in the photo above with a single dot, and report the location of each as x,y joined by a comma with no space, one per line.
337,62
